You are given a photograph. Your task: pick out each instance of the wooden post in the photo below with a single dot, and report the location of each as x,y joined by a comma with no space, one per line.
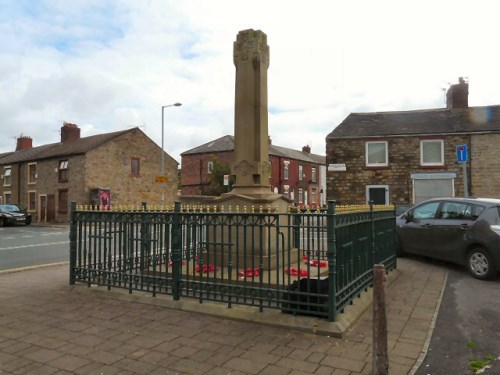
380,359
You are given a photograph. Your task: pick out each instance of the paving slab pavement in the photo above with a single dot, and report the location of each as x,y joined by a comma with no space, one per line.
50,327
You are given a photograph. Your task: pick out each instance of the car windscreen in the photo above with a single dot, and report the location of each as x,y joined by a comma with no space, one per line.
9,208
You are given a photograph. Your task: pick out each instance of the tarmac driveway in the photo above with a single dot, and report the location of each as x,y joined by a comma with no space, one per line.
467,326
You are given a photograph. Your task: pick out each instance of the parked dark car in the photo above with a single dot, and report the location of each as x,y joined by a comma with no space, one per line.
465,231
13,214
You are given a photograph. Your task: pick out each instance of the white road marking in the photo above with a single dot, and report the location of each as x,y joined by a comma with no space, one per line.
34,245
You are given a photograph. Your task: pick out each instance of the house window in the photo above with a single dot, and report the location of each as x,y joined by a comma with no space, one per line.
135,167
63,171
210,166
286,190
7,197
301,195
431,152
63,201
377,154
313,175
313,196
32,173
301,172
286,170
31,201
7,176
378,194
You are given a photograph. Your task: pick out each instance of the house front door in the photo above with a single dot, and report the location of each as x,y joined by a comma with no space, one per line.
51,208
43,209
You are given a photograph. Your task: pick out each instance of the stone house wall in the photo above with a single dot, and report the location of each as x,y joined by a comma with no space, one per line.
109,167
106,166
485,165
349,187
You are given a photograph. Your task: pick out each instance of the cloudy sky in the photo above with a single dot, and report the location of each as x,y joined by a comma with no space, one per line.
109,65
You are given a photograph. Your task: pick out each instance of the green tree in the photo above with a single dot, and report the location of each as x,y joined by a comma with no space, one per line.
219,169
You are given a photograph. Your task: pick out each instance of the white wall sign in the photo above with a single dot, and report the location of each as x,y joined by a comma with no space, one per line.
337,168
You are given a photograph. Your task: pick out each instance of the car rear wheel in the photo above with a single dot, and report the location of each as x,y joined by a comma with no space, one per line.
480,264
2,222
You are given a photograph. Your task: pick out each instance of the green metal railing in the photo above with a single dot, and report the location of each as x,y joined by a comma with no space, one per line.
312,262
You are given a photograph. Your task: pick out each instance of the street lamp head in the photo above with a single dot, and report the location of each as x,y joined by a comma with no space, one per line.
171,105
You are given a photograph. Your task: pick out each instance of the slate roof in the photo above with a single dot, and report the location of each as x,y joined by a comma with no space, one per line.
60,149
226,143
419,122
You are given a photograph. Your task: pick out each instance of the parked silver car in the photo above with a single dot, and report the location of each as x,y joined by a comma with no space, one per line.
460,230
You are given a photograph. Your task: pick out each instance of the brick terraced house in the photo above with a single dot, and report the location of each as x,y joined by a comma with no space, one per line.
298,175
111,168
406,157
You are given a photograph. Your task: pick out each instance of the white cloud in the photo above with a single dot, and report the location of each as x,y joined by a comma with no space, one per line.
109,65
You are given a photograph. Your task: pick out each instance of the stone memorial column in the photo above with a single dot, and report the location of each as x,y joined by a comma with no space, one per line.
251,166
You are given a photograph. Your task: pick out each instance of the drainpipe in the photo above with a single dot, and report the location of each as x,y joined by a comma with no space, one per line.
470,167
19,183
280,190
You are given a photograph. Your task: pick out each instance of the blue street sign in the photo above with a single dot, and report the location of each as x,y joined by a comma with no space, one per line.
461,153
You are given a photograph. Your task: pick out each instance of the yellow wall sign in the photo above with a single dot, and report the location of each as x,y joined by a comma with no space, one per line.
161,179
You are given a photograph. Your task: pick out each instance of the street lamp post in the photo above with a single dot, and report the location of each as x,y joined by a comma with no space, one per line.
163,149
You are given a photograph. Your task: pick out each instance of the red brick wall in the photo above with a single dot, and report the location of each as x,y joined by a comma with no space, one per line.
190,176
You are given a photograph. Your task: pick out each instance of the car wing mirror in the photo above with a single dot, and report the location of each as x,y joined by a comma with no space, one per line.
408,217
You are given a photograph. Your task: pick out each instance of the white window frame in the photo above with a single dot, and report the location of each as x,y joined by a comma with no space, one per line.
210,167
367,146
286,170
301,172
7,172
29,208
286,190
301,195
32,165
313,174
313,196
7,197
385,187
430,164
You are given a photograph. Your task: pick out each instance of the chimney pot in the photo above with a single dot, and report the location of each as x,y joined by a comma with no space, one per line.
24,143
306,149
458,95
69,132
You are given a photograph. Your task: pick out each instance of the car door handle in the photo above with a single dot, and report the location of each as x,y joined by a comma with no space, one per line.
464,226
426,225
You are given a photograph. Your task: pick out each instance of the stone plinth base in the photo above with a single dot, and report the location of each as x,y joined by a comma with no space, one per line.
251,240
241,262
265,199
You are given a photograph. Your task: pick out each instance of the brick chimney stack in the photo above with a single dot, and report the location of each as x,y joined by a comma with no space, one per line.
24,143
458,95
306,149
69,132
